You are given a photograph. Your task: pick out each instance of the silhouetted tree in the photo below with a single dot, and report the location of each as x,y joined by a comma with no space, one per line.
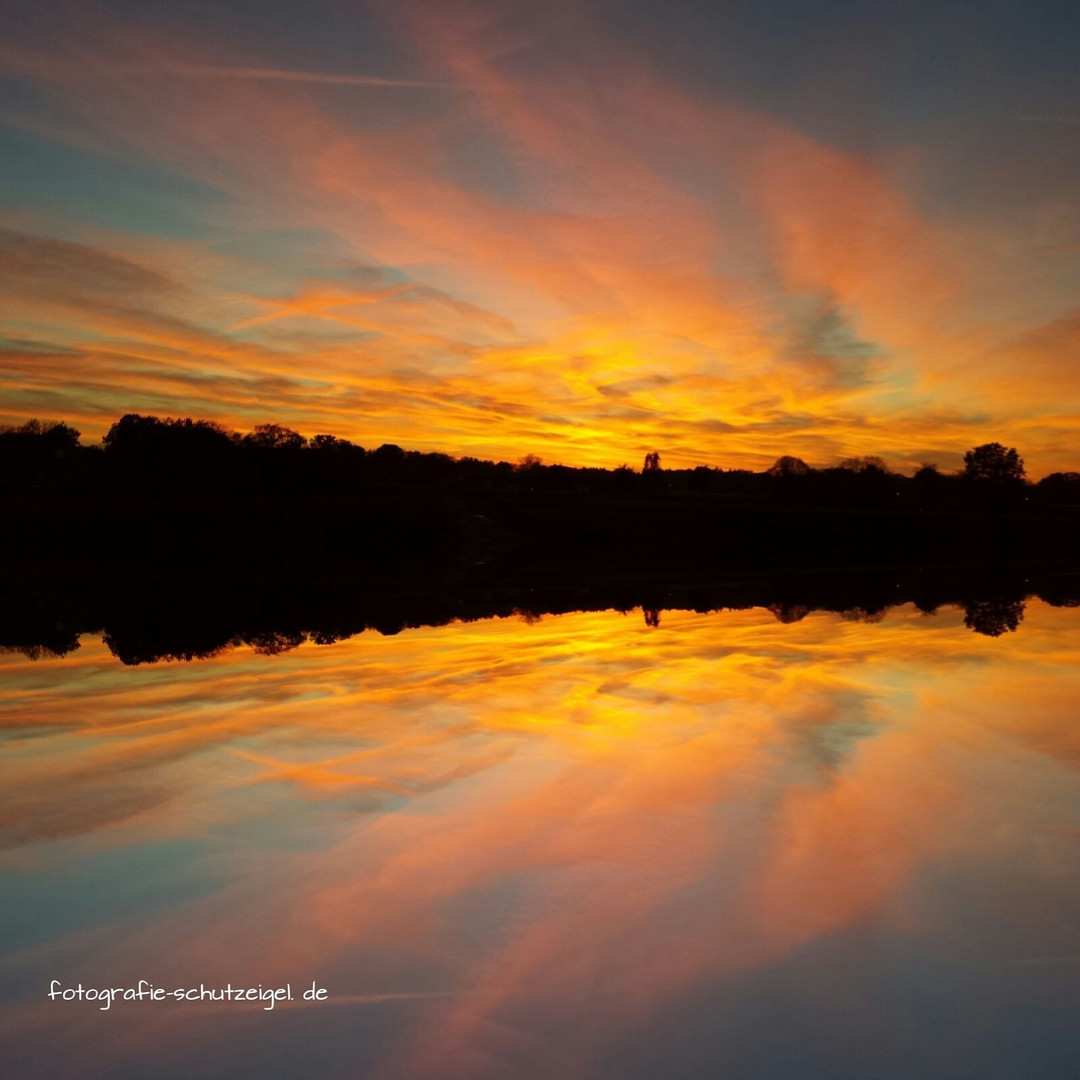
388,452
187,454
329,442
867,463
56,437
930,486
38,452
130,433
1060,488
995,462
274,437
148,437
789,466
652,462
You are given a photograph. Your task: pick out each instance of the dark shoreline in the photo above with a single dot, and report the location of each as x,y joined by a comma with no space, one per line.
390,533
178,538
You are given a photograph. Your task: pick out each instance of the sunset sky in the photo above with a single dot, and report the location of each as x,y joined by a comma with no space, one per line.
724,231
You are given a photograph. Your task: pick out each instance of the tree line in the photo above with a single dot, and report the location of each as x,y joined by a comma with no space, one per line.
143,455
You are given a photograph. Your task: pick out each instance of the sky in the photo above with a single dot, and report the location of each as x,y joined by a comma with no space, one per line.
579,229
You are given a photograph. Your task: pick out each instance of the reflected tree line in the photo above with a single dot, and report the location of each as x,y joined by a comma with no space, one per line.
190,624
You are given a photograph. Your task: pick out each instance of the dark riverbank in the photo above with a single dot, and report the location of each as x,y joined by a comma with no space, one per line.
375,536
177,538
180,499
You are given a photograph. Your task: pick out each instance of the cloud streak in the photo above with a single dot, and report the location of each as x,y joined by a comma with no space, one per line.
566,254
315,78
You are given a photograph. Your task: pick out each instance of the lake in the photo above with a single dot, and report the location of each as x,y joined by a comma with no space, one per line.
576,846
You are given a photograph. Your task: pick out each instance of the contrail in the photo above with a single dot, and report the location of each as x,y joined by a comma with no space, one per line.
278,75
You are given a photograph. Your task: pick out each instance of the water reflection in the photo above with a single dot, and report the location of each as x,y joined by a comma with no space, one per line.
587,845
147,621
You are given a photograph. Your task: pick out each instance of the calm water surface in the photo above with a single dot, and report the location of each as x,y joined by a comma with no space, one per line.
579,847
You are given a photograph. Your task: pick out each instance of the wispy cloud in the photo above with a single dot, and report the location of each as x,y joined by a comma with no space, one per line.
554,262
258,74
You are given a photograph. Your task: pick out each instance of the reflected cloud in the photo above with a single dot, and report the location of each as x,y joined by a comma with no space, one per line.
523,814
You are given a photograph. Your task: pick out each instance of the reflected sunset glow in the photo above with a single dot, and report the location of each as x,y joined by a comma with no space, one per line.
484,829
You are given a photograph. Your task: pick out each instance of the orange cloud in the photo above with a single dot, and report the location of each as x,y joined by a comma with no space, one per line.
630,267
652,809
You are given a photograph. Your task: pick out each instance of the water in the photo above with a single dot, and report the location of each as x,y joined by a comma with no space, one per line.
575,847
